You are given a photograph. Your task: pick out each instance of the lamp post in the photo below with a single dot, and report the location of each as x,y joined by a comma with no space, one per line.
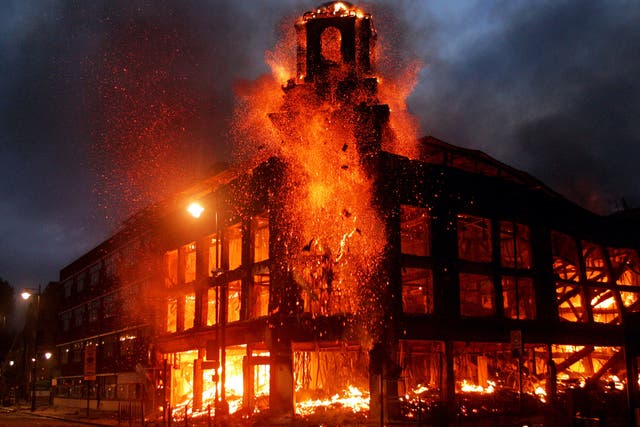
196,210
27,294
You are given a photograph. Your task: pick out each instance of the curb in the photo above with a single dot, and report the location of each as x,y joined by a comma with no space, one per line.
69,420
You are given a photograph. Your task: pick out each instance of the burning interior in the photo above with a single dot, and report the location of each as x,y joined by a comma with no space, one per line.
336,279
321,289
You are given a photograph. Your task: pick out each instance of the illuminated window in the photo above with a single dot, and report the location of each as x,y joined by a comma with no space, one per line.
415,236
261,376
324,374
422,370
234,384
234,240
594,262
570,302
261,239
601,367
604,306
631,300
483,369
626,266
626,272
518,297
260,295
234,293
171,268
190,262
211,306
417,290
172,314
128,343
182,377
515,245
477,295
189,310
474,238
566,262
215,251
331,41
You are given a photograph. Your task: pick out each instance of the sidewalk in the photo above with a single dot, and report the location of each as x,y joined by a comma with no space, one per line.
76,415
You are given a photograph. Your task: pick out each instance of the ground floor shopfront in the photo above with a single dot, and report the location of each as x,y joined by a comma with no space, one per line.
420,380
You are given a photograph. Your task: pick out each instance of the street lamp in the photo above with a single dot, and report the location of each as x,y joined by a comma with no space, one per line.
27,294
196,210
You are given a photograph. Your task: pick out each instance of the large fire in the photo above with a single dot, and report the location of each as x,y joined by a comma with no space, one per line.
352,398
313,377
338,237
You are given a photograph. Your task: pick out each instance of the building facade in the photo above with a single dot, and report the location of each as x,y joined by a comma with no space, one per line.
340,278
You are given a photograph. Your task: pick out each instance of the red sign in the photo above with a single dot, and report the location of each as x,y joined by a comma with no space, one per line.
90,362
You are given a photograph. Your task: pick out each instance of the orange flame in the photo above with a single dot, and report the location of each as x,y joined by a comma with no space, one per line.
474,388
351,398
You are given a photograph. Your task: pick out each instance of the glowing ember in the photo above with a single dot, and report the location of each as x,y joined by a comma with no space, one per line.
472,388
615,382
352,398
420,389
335,9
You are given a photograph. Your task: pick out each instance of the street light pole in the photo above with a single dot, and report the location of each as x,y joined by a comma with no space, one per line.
34,361
221,406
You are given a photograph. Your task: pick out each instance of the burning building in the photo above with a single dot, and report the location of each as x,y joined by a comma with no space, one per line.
335,278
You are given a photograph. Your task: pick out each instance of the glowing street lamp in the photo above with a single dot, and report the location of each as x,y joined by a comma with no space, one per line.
27,294
196,210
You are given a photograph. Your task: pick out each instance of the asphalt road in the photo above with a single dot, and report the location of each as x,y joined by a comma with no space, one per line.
9,419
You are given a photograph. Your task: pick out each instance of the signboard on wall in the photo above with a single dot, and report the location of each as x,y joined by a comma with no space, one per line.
90,362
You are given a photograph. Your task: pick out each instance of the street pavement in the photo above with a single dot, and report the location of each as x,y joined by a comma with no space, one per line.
52,417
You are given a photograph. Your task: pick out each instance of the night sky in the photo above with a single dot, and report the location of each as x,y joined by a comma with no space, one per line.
108,105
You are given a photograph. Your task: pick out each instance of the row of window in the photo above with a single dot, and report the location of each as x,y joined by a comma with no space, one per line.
118,263
105,307
592,282
217,253
495,274
181,310
104,388
180,263
108,347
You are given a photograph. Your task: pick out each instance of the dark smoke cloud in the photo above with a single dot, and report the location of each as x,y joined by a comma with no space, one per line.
549,87
54,57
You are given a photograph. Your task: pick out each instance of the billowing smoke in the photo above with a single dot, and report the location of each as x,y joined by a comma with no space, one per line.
550,88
